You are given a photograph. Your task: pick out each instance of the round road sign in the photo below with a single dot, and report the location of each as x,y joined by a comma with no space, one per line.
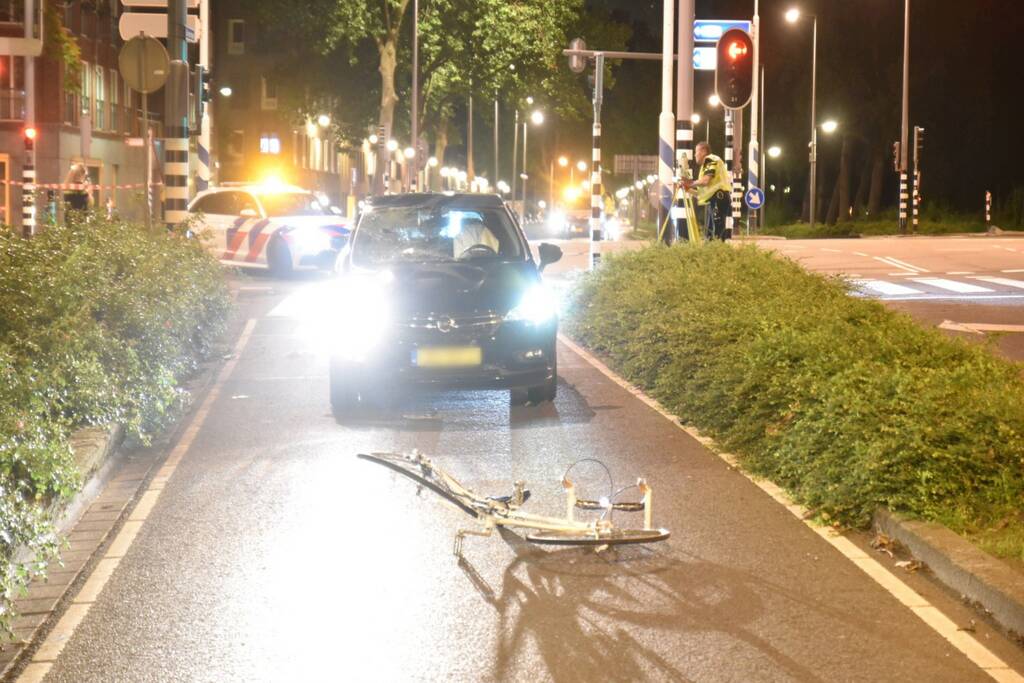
144,64
754,198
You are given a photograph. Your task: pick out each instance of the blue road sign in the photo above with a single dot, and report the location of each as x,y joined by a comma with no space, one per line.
704,58
710,30
754,198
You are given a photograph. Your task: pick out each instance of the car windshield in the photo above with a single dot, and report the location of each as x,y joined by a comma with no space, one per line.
292,204
387,234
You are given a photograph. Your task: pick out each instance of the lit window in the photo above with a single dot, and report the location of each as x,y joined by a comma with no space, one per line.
270,143
236,37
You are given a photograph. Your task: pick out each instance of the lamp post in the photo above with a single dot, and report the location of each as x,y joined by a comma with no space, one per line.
774,152
792,16
536,118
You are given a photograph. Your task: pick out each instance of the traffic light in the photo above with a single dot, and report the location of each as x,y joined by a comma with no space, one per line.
200,93
29,134
734,74
896,156
918,144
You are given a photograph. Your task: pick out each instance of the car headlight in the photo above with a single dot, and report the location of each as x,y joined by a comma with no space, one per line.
538,306
363,318
310,240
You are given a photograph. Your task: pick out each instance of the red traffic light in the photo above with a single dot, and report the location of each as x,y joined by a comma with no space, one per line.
30,133
736,49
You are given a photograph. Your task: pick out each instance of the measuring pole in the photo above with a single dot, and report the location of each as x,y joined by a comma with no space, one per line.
666,121
176,153
596,198
203,146
684,108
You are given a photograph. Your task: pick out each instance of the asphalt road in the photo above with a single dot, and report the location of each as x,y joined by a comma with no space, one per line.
273,554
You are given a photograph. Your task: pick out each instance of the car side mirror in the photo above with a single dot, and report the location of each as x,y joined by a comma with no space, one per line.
549,253
248,213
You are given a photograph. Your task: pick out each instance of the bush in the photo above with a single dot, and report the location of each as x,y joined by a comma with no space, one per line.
845,403
99,320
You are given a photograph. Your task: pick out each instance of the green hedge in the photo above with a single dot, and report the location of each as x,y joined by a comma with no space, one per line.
845,403
98,323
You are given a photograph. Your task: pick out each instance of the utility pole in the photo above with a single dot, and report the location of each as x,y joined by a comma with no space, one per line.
814,125
176,162
684,107
905,125
496,143
666,121
515,154
470,171
415,161
596,198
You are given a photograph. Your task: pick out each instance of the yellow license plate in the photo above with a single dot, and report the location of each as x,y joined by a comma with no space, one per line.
448,357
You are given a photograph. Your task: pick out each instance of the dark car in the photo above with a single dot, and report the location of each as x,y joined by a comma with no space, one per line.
441,291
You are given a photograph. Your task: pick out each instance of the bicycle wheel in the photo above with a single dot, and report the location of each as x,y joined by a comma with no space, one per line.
594,538
401,465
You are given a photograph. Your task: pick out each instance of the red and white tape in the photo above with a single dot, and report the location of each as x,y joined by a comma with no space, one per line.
79,186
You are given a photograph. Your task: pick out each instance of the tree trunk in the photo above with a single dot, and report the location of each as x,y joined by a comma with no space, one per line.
805,211
862,186
844,181
833,205
388,99
440,147
877,178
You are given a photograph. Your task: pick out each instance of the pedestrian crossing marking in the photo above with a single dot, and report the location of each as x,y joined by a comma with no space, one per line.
952,285
1004,281
887,288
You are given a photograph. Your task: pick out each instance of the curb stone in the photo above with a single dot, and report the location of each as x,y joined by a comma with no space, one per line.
959,564
91,447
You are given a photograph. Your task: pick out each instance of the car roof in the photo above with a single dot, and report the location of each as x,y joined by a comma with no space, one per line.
254,188
436,200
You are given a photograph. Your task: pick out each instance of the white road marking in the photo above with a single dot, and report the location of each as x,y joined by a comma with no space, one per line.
980,328
887,262
953,297
961,272
904,264
952,285
834,251
888,288
48,652
861,253
1013,270
1005,281
967,644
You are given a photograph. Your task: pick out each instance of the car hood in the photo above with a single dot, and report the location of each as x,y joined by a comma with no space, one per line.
418,289
336,223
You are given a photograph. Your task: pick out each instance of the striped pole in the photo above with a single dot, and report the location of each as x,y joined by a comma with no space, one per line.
684,153
733,218
916,198
596,196
904,199
28,195
176,176
988,210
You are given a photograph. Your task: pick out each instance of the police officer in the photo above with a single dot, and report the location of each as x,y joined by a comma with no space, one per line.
713,188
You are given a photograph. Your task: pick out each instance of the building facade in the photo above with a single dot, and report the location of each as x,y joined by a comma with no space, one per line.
91,126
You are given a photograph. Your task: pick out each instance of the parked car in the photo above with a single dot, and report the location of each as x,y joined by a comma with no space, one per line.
442,291
283,228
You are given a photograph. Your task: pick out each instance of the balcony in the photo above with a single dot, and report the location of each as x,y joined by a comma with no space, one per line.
12,105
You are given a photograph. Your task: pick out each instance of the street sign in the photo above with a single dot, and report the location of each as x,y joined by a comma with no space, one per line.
578,63
640,164
144,64
154,24
754,198
135,142
710,30
161,4
705,58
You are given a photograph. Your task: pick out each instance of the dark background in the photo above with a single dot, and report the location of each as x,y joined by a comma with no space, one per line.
964,83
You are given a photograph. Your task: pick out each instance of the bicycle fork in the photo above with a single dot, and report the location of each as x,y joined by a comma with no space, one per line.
462,533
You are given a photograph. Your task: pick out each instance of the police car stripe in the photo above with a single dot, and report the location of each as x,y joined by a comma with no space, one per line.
257,241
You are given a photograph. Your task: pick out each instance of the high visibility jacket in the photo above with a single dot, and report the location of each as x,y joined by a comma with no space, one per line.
720,180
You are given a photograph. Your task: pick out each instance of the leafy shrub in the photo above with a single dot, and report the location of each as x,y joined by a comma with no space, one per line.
99,320
845,403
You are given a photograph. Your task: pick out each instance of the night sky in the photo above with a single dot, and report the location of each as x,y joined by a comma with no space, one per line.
964,83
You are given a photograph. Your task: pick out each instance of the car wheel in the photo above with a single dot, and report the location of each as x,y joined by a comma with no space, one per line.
344,393
547,391
279,258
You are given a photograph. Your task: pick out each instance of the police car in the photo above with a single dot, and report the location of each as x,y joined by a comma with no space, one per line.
274,226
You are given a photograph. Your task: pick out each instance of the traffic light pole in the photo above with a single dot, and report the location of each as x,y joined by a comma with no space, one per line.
905,124
684,107
596,198
814,125
176,152
753,163
28,169
666,122
203,146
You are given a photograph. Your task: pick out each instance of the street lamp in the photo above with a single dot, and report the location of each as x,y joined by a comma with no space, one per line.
374,139
714,101
392,145
793,16
324,120
537,117
773,152
563,162
226,91
829,126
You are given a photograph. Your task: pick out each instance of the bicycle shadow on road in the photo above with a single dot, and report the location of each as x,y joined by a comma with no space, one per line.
623,614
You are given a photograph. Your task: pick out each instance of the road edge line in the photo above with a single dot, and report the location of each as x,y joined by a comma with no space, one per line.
968,645
50,649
